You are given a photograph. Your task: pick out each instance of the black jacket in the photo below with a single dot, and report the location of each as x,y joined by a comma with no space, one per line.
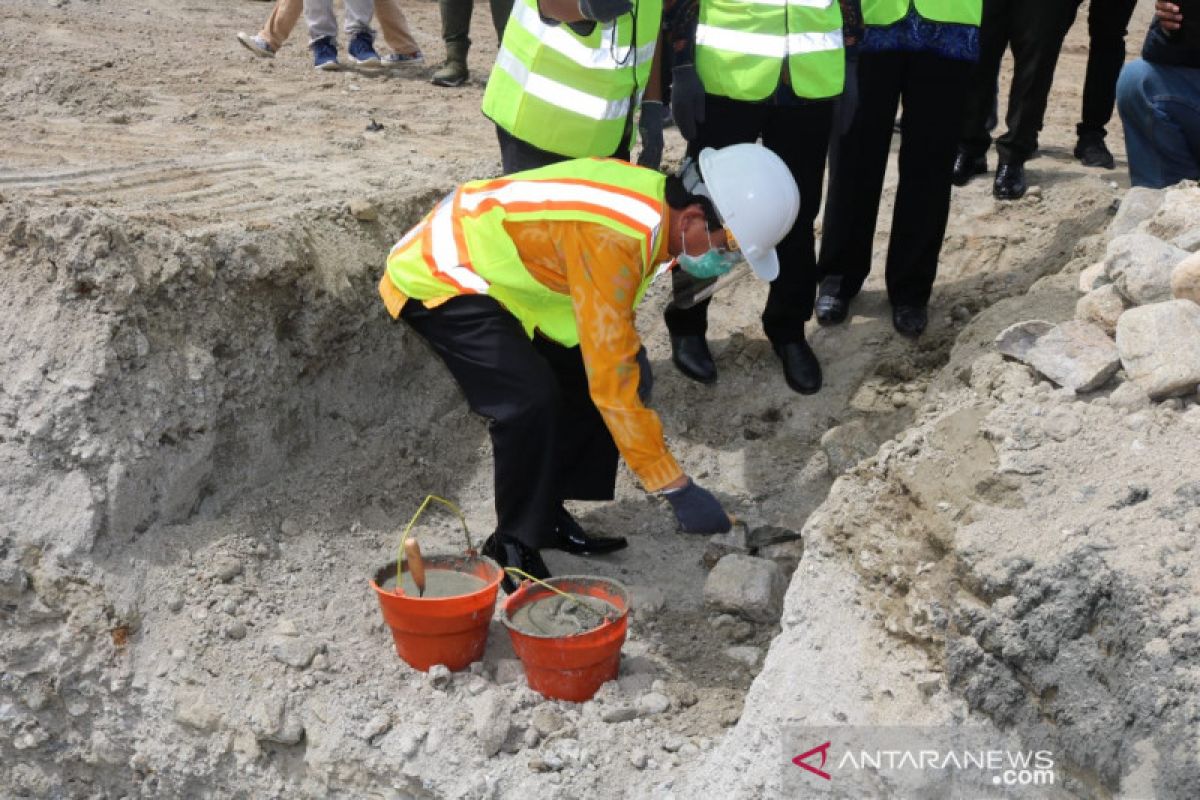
1178,48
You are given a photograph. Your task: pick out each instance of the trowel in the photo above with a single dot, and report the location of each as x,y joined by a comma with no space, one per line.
416,566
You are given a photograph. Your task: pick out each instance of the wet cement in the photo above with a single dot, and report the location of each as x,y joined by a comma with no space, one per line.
440,583
558,616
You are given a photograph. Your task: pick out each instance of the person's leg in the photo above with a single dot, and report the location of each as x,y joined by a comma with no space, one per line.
394,27
501,11
857,163
518,156
318,15
281,22
1108,21
975,138
358,16
1160,110
507,382
934,88
456,22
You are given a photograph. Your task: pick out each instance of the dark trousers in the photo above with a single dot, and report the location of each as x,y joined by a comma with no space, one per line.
1034,29
456,19
1108,22
799,134
517,155
548,439
933,90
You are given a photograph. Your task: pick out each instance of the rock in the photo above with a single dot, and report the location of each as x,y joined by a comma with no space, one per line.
175,602
1101,307
195,711
1093,277
638,759
739,631
1129,397
846,445
492,720
786,554
1188,240
1061,424
1185,279
1137,206
235,630
546,719
619,714
1017,340
226,569
646,601
744,654
653,703
674,743
439,677
1076,355
1178,213
1140,266
375,727
295,652
929,684
723,544
509,670
1160,347
745,585
363,210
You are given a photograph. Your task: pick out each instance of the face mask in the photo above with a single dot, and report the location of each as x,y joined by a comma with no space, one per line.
712,263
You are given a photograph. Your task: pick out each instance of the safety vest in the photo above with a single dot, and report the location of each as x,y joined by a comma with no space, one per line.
571,94
886,12
741,46
461,247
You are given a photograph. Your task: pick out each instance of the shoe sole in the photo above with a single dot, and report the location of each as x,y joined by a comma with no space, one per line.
331,66
448,84
254,49
419,62
368,64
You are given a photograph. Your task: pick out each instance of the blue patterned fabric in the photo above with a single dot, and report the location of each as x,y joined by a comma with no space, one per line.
915,34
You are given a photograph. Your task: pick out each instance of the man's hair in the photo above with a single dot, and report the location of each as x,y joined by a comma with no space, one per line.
680,198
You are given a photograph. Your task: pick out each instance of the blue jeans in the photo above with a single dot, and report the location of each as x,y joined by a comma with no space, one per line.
1160,109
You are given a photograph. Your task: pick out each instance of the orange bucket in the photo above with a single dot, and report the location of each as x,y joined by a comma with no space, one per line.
440,630
570,667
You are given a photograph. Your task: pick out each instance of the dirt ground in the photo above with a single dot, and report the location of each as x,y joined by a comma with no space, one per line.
268,431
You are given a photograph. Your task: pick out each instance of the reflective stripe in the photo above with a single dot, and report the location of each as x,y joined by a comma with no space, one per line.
444,248
765,44
644,213
793,3
606,56
559,94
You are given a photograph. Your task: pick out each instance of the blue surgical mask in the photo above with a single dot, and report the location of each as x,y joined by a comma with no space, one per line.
712,263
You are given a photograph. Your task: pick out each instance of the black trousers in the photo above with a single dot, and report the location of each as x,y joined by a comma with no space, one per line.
517,155
800,136
1108,22
1034,29
933,90
548,439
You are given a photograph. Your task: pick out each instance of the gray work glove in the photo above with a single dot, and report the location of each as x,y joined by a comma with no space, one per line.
687,100
604,10
650,129
645,376
697,511
847,104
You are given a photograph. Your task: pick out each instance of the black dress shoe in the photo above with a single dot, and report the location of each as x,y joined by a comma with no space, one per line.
570,538
910,320
511,553
690,355
831,309
967,167
800,366
1010,182
1092,152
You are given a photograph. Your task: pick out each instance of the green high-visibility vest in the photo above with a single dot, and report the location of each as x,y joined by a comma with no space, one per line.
886,12
741,47
571,94
462,247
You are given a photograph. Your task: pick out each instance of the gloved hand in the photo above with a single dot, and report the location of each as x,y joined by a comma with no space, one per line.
650,129
604,10
687,100
697,510
847,104
645,376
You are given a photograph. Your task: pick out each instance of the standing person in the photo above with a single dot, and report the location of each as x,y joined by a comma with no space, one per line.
406,52
1108,21
1158,98
919,53
526,288
322,33
456,29
745,70
569,78
1034,29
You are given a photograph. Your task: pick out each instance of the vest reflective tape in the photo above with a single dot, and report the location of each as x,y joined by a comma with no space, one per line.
631,209
559,94
794,3
441,249
609,55
763,44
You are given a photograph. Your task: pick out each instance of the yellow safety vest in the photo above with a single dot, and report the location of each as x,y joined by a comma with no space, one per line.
742,45
886,12
461,247
570,94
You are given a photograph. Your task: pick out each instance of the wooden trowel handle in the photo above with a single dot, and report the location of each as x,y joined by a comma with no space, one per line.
416,566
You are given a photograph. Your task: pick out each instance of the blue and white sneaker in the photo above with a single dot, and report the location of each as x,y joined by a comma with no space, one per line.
325,54
362,50
257,45
404,59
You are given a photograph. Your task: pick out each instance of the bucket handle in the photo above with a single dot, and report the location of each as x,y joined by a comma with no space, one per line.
408,528
523,574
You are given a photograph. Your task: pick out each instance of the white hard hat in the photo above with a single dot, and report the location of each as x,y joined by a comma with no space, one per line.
756,197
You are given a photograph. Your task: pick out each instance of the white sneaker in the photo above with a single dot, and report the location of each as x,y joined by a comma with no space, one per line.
257,45
404,59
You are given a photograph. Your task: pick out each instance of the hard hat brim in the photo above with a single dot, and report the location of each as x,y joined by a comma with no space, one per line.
766,266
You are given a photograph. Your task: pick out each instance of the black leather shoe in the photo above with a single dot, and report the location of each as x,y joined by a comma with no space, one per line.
570,538
967,167
910,320
511,553
1010,182
800,366
690,355
1092,152
831,309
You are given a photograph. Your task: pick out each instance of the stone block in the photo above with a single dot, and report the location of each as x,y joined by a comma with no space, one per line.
1159,346
748,586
